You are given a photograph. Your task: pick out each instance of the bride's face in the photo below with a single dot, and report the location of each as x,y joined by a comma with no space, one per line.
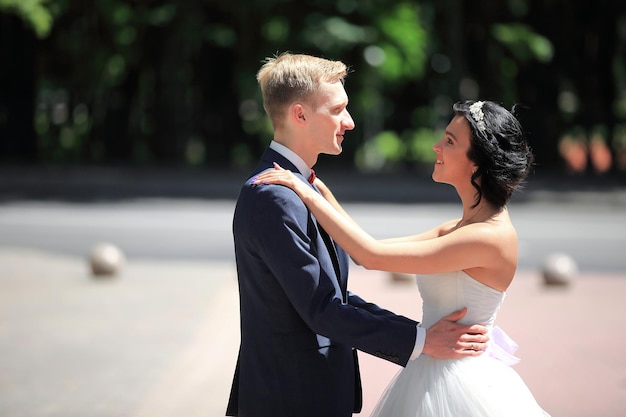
452,165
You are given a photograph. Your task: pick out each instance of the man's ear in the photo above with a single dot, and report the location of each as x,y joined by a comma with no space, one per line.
298,113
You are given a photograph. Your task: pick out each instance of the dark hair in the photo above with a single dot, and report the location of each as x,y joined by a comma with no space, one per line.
499,149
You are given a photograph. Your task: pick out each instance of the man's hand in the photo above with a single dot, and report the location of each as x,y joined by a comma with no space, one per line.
447,339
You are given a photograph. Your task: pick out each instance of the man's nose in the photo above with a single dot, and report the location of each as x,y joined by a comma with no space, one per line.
348,122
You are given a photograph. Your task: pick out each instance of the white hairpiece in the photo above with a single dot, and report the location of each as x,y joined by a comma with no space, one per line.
476,110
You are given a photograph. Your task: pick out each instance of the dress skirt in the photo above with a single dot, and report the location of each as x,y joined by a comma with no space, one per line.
470,387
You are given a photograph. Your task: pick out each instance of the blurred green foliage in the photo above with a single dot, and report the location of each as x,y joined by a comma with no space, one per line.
35,12
523,42
150,82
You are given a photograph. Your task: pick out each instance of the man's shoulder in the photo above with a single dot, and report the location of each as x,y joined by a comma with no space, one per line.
269,208
267,190
269,197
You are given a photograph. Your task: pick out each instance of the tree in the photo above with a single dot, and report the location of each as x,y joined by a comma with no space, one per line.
134,82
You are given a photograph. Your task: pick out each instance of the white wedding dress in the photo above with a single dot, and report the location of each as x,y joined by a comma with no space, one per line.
484,386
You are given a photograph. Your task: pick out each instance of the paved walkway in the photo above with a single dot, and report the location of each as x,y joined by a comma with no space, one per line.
161,339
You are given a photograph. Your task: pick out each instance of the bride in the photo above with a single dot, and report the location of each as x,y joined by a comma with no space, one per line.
469,261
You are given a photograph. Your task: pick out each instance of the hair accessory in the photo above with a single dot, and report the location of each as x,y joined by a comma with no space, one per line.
476,110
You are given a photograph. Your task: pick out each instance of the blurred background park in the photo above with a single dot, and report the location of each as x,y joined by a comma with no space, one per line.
156,83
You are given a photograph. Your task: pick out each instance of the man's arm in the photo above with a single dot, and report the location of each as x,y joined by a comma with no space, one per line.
446,339
290,247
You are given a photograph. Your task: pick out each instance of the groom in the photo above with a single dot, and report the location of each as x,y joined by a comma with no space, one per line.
299,324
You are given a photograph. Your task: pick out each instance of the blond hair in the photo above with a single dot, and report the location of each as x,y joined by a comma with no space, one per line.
287,78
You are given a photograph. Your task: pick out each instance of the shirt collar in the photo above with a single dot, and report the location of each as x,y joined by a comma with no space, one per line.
293,157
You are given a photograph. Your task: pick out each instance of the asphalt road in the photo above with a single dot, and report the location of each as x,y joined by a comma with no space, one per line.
200,229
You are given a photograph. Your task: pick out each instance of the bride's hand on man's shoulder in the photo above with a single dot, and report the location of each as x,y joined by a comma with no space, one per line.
278,175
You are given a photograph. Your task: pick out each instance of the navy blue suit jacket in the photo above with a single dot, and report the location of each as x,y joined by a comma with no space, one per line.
299,324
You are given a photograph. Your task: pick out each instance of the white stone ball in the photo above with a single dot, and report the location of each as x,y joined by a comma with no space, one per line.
106,259
559,269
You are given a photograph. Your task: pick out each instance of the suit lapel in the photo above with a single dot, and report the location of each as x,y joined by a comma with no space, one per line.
332,250
269,157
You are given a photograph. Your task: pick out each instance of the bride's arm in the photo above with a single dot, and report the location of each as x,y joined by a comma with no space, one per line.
465,248
330,197
430,234
328,212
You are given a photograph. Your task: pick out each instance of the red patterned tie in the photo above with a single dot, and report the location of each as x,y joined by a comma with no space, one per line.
312,177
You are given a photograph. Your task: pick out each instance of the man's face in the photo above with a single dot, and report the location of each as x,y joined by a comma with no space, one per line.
329,120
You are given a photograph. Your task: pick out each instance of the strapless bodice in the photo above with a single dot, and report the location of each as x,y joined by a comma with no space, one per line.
481,386
444,293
